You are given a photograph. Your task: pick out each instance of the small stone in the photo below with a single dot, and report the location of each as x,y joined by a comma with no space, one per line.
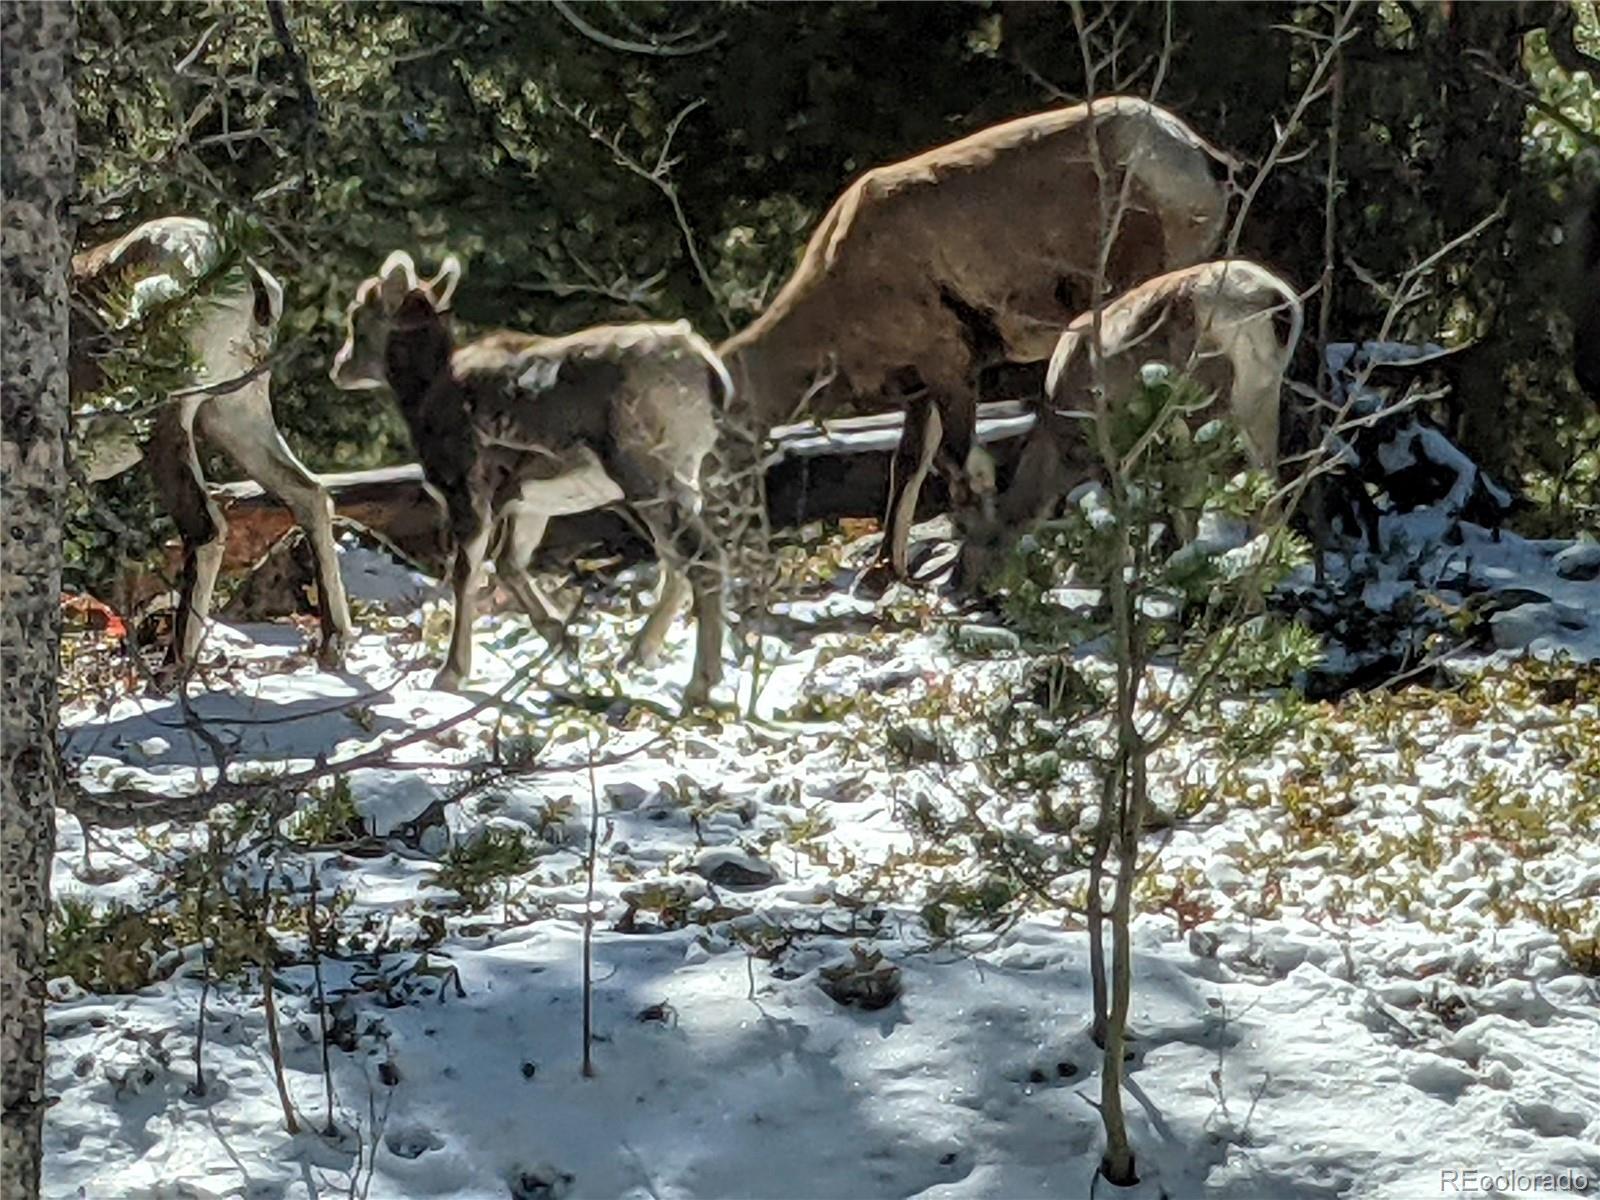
987,639
625,796
729,867
1580,561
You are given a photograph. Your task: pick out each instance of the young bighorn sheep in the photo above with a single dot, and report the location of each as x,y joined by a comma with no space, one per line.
513,429
975,253
1232,326
182,261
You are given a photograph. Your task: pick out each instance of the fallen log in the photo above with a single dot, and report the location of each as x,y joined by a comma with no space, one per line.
815,472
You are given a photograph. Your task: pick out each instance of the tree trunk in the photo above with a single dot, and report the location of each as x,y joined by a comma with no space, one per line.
36,148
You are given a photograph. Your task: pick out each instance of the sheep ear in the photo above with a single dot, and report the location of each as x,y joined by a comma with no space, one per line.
443,285
396,278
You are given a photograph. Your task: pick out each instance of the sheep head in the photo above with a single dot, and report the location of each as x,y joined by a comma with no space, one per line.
383,303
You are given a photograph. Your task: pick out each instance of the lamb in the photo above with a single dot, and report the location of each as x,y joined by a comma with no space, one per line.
1231,325
513,429
182,261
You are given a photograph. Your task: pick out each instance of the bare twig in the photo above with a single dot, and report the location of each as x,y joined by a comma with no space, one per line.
659,176
275,1046
657,48
588,920
220,26
313,941
1343,31
309,108
198,1087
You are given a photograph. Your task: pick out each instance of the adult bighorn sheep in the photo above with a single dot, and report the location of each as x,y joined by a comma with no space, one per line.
513,429
1232,326
181,261
975,253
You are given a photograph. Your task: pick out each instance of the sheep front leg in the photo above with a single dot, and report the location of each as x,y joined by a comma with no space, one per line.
919,443
464,573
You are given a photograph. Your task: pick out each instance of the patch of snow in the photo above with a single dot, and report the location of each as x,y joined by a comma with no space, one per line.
1345,1016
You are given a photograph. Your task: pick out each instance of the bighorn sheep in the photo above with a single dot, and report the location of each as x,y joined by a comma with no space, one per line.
974,253
182,261
1232,326
513,429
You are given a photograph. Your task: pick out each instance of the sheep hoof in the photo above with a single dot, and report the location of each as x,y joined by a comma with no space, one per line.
331,655
877,579
642,654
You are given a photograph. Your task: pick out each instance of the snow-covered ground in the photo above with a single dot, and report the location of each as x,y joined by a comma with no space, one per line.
1352,979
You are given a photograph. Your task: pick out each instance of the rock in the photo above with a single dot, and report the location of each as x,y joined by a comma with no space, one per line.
1521,626
1224,875
626,796
866,982
385,798
1439,1077
987,639
1580,561
729,867
1549,1120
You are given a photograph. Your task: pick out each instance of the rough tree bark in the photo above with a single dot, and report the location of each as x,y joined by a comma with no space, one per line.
36,181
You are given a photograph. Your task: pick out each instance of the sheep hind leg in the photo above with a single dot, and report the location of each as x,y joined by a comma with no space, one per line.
175,470
674,589
687,551
243,426
520,534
